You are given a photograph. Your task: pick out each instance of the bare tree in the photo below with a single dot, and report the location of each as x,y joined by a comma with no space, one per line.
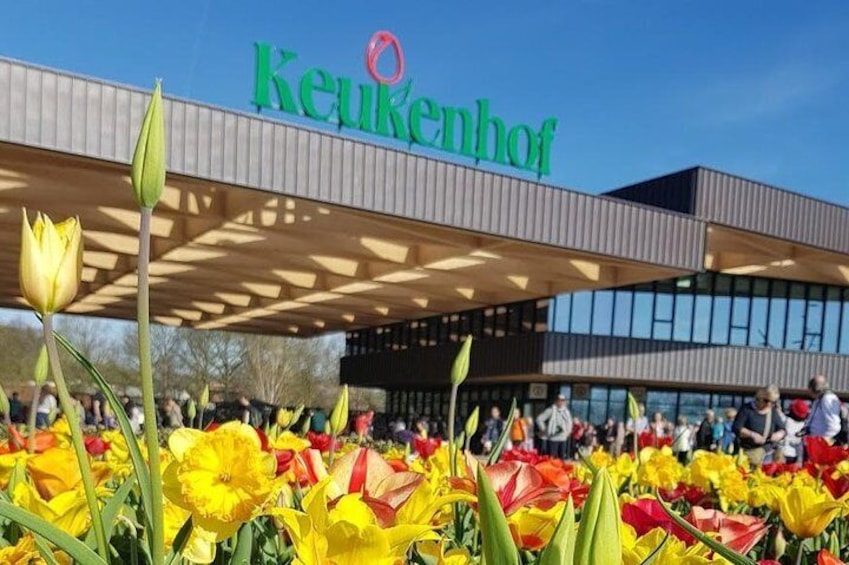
212,357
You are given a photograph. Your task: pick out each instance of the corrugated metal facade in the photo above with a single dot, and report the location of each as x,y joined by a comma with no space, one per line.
760,208
46,109
688,364
423,367
729,200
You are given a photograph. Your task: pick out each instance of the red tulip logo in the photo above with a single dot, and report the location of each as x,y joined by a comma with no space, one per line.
378,43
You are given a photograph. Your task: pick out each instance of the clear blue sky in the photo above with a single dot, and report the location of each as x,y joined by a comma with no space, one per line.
640,88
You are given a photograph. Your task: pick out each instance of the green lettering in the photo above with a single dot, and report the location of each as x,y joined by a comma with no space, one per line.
514,148
363,122
484,121
449,117
546,136
309,86
429,110
387,111
265,75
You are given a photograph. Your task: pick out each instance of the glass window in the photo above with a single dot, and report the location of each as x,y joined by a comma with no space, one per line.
740,305
796,317
683,324
665,402
663,305
777,315
622,313
721,321
582,303
814,319
831,322
602,323
843,342
701,320
560,312
760,312
616,404
692,405
643,314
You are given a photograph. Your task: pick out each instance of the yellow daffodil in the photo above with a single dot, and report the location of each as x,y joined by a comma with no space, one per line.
635,550
51,262
26,553
348,533
223,478
433,552
287,441
199,548
659,468
807,511
707,467
67,511
533,527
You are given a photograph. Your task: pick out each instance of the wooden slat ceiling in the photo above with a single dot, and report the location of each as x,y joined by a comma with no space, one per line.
230,257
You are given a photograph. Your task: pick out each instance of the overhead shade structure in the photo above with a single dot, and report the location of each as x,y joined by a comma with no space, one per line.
267,227
753,228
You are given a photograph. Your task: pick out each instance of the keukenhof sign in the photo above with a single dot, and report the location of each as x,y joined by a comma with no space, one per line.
395,112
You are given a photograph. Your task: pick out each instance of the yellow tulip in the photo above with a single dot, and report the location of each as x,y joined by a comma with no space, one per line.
287,441
339,416
284,418
807,511
8,461
349,533
51,262
68,511
435,554
533,527
54,472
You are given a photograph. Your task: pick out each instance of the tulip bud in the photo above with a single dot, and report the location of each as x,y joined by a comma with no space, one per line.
561,548
203,399
833,543
305,427
496,540
472,421
460,369
779,545
284,418
4,403
339,416
51,262
42,367
148,172
633,408
192,410
597,541
296,415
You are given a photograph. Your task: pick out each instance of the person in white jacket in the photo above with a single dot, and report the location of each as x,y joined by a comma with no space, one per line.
555,427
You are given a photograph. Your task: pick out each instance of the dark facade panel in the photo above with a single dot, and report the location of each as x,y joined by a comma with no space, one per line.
427,367
676,192
687,364
55,111
752,206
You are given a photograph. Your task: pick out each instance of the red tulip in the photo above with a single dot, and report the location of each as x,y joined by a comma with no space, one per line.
516,484
692,494
739,532
44,440
426,447
646,514
561,474
95,445
284,460
821,453
826,558
320,441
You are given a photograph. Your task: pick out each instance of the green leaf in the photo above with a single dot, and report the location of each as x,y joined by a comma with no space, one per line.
656,551
139,465
180,541
732,556
561,549
498,546
112,508
45,551
77,550
502,439
244,546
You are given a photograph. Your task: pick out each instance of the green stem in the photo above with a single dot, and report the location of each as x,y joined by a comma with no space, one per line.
36,397
71,415
799,552
151,434
452,416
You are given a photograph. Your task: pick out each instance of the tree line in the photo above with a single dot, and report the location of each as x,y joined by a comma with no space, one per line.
275,369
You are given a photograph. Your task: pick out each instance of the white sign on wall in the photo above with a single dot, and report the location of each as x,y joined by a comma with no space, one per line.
537,391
